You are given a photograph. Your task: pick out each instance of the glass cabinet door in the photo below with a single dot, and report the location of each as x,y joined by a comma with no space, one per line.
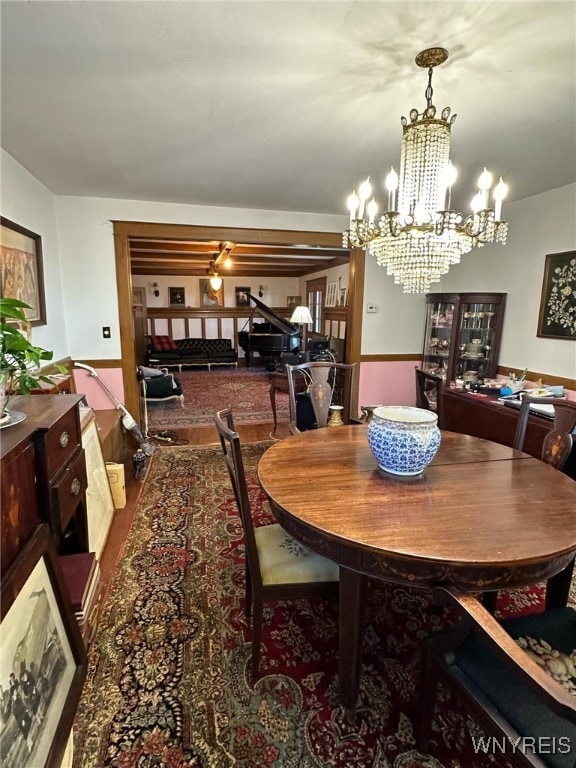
462,335
438,337
476,340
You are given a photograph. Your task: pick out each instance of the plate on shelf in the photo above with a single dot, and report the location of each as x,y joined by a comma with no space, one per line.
15,418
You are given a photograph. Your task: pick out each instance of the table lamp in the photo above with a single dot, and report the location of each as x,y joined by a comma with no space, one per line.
302,316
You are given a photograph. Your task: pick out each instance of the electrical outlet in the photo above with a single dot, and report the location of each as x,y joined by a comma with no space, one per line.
106,332
371,307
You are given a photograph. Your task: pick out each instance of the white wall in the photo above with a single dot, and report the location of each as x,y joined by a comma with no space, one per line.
398,325
538,225
27,202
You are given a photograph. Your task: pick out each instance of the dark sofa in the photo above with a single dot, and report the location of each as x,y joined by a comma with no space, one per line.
165,351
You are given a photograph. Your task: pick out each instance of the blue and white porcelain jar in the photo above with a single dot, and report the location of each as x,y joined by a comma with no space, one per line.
404,440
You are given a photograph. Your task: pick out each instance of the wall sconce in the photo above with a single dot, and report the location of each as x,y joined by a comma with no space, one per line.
261,290
155,289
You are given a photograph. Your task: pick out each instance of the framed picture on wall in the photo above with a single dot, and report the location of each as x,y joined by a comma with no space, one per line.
332,295
242,298
557,318
21,275
176,297
343,297
209,297
43,660
293,301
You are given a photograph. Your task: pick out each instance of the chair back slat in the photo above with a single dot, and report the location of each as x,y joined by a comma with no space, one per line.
557,444
429,393
232,450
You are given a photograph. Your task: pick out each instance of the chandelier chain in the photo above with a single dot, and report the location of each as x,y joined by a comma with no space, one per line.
429,90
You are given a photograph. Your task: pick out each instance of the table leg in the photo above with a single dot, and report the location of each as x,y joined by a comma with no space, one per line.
352,601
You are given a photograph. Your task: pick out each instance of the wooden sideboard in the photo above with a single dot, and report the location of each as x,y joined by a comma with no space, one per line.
43,475
486,417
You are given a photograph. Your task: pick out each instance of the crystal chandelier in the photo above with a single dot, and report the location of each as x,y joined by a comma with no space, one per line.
419,237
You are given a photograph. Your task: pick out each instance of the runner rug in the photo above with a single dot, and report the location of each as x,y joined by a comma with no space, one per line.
168,681
207,391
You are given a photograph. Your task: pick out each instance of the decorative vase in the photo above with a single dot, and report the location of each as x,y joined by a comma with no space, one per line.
335,418
404,440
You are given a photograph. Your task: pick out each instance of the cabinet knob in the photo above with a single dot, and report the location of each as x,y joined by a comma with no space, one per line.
64,439
75,487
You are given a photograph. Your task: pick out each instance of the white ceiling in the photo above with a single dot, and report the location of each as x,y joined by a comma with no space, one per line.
280,105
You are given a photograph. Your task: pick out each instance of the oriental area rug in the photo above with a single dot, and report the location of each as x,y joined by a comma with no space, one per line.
207,391
168,674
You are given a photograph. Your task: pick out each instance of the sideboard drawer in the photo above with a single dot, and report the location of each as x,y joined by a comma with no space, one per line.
62,440
68,488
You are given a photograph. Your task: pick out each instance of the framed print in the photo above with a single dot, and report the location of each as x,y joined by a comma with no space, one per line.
343,297
21,274
208,296
293,301
242,298
43,660
177,297
557,318
332,295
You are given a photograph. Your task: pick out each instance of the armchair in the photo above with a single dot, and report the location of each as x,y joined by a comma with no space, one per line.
505,672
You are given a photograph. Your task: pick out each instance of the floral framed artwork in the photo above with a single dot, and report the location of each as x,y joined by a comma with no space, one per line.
209,297
176,297
242,297
21,273
557,318
43,660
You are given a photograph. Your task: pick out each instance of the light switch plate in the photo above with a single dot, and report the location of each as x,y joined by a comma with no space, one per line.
371,307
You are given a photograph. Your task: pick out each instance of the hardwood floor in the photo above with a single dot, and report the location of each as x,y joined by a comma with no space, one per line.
249,433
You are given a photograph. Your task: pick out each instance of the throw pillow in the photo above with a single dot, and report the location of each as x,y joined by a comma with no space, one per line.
163,344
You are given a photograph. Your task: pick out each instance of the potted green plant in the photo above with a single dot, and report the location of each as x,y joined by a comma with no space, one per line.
20,360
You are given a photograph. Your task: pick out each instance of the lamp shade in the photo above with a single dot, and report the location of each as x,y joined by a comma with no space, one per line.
301,315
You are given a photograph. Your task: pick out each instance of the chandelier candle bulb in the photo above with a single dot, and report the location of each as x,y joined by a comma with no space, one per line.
500,191
365,190
372,210
392,186
353,202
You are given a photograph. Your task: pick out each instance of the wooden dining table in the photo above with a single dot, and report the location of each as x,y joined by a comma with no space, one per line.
481,517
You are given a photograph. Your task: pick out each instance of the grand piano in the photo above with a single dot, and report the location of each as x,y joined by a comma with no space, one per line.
270,338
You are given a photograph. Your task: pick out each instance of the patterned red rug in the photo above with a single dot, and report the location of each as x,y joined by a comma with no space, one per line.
168,682
207,391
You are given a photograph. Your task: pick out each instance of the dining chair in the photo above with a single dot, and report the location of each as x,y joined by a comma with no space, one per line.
429,391
277,566
516,676
556,448
328,382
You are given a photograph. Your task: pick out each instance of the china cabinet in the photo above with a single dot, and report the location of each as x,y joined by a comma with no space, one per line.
462,335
